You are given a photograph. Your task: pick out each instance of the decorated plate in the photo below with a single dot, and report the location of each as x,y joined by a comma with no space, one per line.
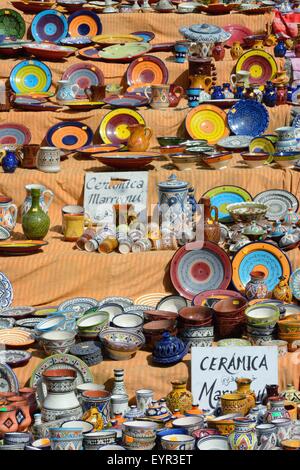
49,25
30,76
78,305
14,358
17,312
261,65
32,6
146,36
78,42
84,75
30,104
90,52
248,117
279,201
8,379
11,23
238,33
113,127
207,122
14,134
295,284
126,101
28,322
59,361
124,52
69,135
105,39
101,148
21,247
235,141
198,270
147,70
122,301
45,311
150,299
16,338
209,298
84,23
84,105
221,196
45,51
6,292
259,256
261,144
127,160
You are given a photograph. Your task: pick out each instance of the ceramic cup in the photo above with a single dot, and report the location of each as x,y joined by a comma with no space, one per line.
95,92
193,96
29,155
48,159
158,96
181,51
118,404
87,235
240,77
73,226
74,210
143,399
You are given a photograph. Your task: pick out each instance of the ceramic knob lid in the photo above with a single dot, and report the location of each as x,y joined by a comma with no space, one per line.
172,183
169,346
205,33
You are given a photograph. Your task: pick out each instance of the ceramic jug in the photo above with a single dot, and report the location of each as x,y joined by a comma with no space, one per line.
35,222
241,77
66,91
243,387
8,213
29,155
244,436
269,95
280,49
158,96
43,193
212,229
217,93
201,81
139,138
282,291
175,94
218,51
256,288
179,398
10,157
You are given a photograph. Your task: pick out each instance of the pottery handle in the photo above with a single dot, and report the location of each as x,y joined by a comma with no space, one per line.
148,131
2,154
88,93
19,155
51,196
147,92
14,212
75,88
178,90
87,220
215,209
233,79
208,82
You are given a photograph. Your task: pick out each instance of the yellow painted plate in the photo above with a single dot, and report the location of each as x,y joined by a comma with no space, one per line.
116,39
207,122
114,126
261,65
262,144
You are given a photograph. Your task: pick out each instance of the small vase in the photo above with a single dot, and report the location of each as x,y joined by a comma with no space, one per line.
22,412
119,386
281,96
236,50
256,288
280,49
179,398
217,93
244,436
35,222
10,159
96,407
218,51
271,391
8,420
243,387
227,91
282,291
277,410
269,95
212,229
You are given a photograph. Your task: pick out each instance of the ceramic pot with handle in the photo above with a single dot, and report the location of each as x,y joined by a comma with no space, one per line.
175,94
158,96
66,91
48,159
45,204
139,138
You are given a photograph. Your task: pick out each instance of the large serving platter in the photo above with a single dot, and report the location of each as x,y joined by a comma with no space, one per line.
11,23
84,75
84,23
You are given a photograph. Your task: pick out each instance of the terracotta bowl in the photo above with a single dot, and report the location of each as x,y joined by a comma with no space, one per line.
155,315
153,331
195,316
230,307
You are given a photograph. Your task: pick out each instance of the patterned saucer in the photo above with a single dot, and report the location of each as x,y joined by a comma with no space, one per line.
279,201
235,142
17,312
14,357
78,305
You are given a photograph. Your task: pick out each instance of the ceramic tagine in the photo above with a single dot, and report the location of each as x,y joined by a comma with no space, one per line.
244,436
282,291
179,398
256,288
205,36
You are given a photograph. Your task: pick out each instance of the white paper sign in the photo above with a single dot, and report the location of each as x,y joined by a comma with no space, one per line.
215,369
103,190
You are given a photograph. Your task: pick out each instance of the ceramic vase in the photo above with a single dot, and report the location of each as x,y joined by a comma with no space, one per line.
282,291
217,93
35,222
119,385
269,95
276,410
280,49
256,288
10,159
244,436
236,50
212,229
291,394
266,436
284,429
244,387
8,213
22,412
96,407
271,391
179,398
46,198
66,438
218,51
8,420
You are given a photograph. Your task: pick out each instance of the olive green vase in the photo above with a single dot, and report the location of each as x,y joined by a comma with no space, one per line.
35,222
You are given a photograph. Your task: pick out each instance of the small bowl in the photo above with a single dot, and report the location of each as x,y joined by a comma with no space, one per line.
127,321
52,323
171,149
262,314
224,424
57,342
213,443
171,303
286,159
195,316
218,161
247,211
112,309
95,440
91,324
177,442
190,423
173,141
184,162
119,344
256,159
154,315
43,443
77,423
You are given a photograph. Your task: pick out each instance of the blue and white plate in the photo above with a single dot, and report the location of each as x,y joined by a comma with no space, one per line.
248,117
78,305
8,379
279,201
49,25
235,142
295,284
6,293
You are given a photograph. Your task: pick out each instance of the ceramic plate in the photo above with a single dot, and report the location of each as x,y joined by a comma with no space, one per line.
69,135
235,142
200,270
261,144
248,117
208,298
45,311
113,127
30,76
11,23
17,312
84,75
261,65
28,322
146,36
105,39
122,301
238,33
78,305
45,51
124,52
8,379
101,148
84,105
49,25
14,358
150,299
259,256
90,52
32,6
6,292
147,70
279,202
59,361
16,338
21,247
6,322
126,101
295,284
84,23
221,196
207,122
14,134
127,160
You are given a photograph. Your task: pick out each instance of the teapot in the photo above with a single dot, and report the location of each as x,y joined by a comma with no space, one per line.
139,138
66,91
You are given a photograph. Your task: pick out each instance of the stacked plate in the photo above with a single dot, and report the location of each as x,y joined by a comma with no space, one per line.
195,326
261,322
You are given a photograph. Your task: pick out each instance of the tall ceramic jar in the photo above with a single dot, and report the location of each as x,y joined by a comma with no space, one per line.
173,199
244,436
282,291
243,387
179,398
277,410
256,287
35,223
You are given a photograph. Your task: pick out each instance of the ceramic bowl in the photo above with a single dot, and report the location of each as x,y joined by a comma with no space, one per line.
290,324
57,342
138,443
195,316
230,309
172,149
172,303
224,424
87,387
218,161
154,315
286,159
184,162
85,426
112,447
127,321
43,443
177,442
91,324
255,159
290,444
262,314
140,429
17,438
197,342
233,342
190,423
119,344
247,211
54,322
234,403
213,443
169,431
173,141
112,309
154,330
197,332
95,440
261,340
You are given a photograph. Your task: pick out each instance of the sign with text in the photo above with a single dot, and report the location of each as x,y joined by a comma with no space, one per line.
215,369
103,190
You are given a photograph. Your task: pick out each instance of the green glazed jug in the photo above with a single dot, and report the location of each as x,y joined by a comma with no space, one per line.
35,222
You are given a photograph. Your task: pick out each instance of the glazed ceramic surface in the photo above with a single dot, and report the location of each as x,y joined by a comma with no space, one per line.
278,202
222,196
84,75
207,122
6,292
147,70
30,76
8,379
114,126
11,23
261,65
235,142
49,25
69,135
15,134
84,23
241,118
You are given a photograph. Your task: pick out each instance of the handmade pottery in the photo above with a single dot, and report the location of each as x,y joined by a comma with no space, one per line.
244,436
276,410
234,403
118,405
66,91
8,213
213,443
181,51
212,230
177,442
57,342
169,349
175,94
283,429
139,435
22,412
119,344
282,291
218,51
266,436
256,287
8,420
96,407
139,138
236,50
98,439
119,385
17,438
190,423
243,387
48,159
173,198
35,222
91,324
179,398
143,399
66,438
10,158
291,394
158,96
43,193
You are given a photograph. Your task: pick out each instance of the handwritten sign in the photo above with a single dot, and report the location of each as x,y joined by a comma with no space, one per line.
215,369
103,190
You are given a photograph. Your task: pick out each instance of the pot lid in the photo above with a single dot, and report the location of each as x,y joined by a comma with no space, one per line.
172,183
205,33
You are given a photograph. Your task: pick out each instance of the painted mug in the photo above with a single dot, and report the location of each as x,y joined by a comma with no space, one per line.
48,159
201,81
193,96
158,96
240,77
181,49
8,213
